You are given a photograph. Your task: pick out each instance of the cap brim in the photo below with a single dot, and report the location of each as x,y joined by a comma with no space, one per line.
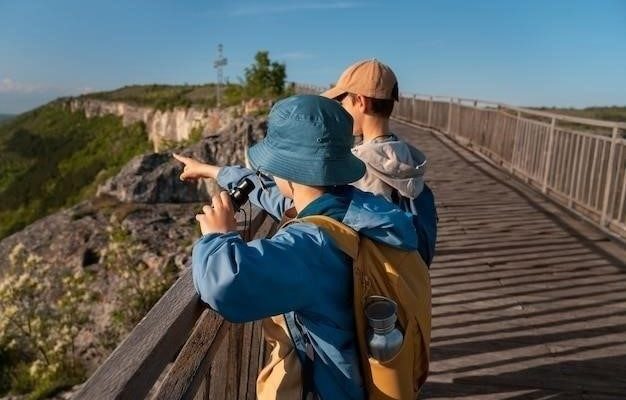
334,92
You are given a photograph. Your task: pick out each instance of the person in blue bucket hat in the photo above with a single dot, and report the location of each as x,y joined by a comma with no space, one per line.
298,281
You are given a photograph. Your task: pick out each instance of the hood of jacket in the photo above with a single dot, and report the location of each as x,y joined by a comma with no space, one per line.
396,163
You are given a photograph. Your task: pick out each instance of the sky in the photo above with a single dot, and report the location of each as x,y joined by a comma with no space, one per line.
527,53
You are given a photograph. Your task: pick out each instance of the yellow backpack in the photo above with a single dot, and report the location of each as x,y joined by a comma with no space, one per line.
379,270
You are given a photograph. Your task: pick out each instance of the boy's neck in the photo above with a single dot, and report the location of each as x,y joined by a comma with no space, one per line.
374,127
304,195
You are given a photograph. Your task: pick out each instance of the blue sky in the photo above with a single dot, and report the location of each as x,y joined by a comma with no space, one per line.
563,53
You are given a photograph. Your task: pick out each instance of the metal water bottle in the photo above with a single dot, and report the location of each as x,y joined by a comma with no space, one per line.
384,339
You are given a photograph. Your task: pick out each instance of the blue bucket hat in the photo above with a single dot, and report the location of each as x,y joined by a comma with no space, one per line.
308,141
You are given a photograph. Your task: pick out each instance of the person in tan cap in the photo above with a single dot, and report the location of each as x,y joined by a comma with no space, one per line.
368,90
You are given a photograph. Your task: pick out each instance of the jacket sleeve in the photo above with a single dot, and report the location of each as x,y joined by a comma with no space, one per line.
425,221
249,281
265,193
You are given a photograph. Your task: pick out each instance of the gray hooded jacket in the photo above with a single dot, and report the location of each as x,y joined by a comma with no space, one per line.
391,164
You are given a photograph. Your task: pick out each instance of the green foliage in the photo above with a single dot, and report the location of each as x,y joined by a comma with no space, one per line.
195,135
42,310
233,94
265,78
52,158
161,97
614,113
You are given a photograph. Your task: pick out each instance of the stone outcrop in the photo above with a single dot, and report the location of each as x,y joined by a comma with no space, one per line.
165,125
154,178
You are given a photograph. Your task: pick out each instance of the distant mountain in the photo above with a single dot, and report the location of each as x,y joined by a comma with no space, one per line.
6,117
612,113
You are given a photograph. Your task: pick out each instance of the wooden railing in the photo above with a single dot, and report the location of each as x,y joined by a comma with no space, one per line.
183,350
578,162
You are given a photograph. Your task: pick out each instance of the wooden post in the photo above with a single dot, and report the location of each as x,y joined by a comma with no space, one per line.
609,180
430,111
412,119
546,171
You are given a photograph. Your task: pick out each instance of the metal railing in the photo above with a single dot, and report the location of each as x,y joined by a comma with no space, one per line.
579,162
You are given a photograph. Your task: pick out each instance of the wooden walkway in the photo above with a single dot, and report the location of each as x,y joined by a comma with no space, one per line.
528,302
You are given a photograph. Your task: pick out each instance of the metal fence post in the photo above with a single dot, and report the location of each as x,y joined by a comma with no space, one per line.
430,111
609,179
449,129
546,172
515,140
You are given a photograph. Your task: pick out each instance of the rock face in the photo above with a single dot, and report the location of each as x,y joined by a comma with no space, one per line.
170,125
146,199
148,182
154,178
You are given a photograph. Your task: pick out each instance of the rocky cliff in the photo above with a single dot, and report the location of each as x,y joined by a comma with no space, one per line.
150,205
173,125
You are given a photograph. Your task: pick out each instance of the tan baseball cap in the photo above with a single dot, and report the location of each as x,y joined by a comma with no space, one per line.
369,78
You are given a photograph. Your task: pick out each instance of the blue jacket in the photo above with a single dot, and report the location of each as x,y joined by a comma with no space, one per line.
270,199
300,270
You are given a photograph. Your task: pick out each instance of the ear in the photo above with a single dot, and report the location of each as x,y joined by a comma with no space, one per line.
361,103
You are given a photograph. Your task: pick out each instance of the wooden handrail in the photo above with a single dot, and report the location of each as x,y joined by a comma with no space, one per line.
132,369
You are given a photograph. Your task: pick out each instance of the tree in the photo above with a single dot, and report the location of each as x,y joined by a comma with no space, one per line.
265,78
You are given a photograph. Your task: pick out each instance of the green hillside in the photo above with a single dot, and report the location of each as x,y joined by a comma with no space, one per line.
51,158
161,97
166,97
614,113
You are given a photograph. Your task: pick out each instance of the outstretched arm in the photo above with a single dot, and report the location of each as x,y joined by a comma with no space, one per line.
264,195
195,169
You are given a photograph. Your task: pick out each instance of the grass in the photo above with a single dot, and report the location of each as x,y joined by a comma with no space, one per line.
161,97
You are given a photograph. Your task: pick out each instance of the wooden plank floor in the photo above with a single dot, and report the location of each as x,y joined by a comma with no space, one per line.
528,302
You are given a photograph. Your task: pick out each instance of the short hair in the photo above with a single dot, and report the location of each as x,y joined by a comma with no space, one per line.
378,107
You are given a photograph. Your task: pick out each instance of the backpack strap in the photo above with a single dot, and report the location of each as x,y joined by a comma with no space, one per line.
346,238
304,349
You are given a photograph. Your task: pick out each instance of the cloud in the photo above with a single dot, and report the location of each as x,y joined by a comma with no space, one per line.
285,8
11,86
8,85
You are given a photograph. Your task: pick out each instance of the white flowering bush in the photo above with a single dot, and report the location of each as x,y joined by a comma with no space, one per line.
45,308
42,310
137,287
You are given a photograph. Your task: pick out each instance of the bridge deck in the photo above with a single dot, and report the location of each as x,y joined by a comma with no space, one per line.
528,302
